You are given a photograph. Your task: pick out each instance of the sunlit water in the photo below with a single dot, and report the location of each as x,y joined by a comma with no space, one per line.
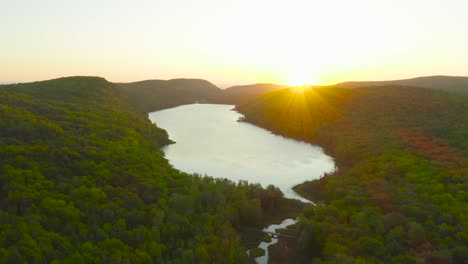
209,140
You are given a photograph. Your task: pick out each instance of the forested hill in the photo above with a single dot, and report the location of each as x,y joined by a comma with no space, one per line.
153,95
244,93
293,113
445,83
83,180
400,192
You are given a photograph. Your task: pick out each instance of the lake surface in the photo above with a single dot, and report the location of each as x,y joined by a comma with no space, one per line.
209,140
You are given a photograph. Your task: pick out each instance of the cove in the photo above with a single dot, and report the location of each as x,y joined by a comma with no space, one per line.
210,140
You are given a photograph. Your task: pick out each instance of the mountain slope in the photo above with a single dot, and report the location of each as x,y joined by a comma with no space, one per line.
294,114
83,180
445,83
399,194
152,95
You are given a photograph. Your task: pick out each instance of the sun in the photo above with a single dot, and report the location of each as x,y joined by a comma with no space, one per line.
299,89
300,81
301,78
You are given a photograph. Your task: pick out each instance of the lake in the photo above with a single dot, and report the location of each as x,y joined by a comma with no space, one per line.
210,140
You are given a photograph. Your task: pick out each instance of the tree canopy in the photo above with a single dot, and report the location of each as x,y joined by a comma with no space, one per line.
83,180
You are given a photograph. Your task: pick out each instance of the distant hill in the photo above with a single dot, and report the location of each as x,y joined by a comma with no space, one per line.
152,95
444,83
242,93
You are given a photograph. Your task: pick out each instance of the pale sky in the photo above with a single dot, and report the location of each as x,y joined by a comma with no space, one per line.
233,42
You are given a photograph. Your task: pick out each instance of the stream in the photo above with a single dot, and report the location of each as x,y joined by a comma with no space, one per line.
271,231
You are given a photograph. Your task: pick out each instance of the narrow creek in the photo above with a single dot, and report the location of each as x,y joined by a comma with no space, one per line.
210,141
271,230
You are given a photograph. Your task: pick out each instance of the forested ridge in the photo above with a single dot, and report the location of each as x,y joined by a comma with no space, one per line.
152,95
400,194
440,82
83,180
244,93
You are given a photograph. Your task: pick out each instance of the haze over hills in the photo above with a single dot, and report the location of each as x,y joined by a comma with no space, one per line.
439,82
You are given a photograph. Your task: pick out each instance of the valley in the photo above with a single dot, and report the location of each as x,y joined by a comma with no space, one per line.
80,159
234,132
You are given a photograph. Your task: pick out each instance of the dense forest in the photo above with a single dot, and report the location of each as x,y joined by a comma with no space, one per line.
83,180
400,194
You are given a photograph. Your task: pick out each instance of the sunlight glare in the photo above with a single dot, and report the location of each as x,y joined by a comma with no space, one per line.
299,79
299,89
